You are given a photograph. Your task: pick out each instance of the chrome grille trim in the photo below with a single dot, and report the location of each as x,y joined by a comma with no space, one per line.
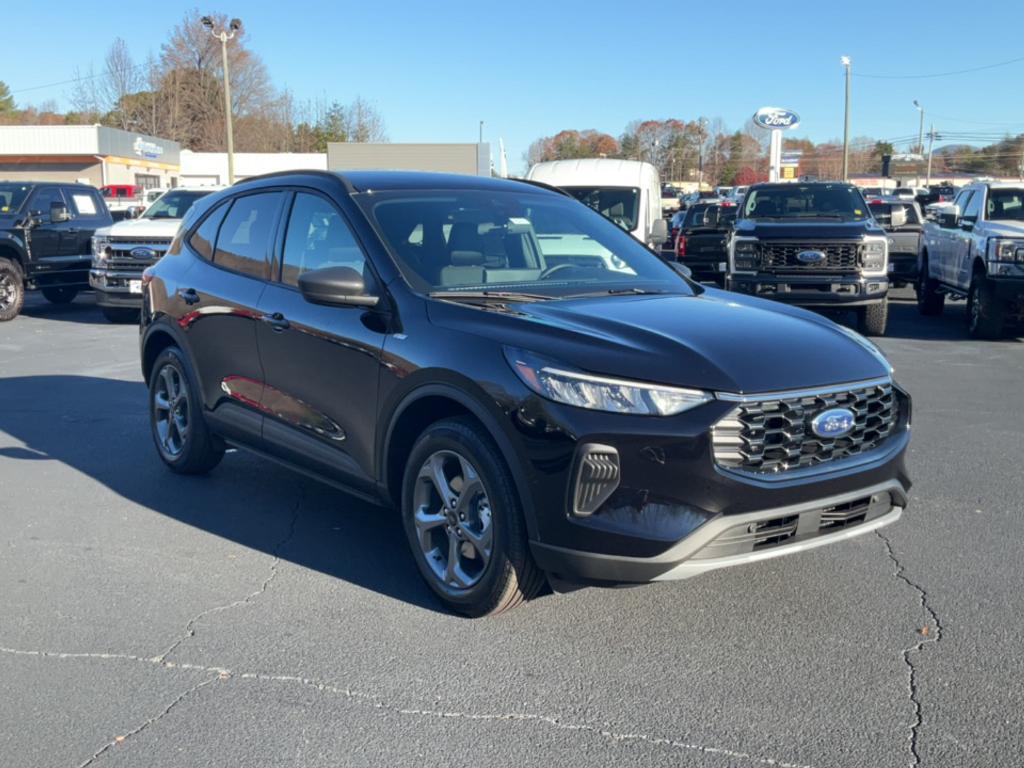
844,256
770,434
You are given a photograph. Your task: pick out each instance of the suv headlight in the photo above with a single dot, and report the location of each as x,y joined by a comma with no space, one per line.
745,255
100,249
876,252
598,393
1001,249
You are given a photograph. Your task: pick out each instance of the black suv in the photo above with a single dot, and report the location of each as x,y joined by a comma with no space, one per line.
45,234
814,245
538,393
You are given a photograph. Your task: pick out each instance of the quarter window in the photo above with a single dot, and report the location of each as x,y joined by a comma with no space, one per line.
243,242
205,236
318,237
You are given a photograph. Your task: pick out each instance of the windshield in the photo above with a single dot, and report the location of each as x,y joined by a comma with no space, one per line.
620,204
1005,205
806,201
12,196
545,245
697,216
173,205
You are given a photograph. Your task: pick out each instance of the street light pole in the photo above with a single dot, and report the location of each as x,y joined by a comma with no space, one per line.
700,152
931,144
920,139
845,61
224,36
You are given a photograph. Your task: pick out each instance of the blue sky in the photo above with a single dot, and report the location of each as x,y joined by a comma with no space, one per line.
530,68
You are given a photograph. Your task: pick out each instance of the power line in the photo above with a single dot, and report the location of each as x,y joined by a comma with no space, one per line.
941,74
73,80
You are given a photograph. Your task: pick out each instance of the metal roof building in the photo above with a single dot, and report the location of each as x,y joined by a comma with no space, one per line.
471,159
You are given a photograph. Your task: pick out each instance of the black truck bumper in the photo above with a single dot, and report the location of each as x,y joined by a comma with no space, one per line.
812,290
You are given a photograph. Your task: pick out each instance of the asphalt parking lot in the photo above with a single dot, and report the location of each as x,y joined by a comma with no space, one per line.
254,617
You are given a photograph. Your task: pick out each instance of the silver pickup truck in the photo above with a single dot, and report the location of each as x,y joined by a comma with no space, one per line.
975,250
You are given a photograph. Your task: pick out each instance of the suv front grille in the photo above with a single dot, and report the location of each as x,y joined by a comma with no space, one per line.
844,257
121,252
774,435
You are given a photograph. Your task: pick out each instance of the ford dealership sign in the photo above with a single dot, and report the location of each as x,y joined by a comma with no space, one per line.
776,118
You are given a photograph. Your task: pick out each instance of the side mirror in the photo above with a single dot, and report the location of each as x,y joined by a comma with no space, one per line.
682,269
967,224
659,231
132,212
949,218
59,213
899,216
336,286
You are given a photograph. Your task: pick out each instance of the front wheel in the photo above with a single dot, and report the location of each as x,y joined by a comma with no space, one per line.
985,312
59,295
930,301
12,289
180,432
464,522
873,319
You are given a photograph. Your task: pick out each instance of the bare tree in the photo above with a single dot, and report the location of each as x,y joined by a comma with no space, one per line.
121,78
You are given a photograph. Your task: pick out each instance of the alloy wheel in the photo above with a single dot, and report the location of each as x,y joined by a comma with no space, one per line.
452,519
8,291
171,411
974,306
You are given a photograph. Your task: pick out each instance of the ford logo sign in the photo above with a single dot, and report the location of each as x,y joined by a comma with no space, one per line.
810,257
143,253
835,422
776,118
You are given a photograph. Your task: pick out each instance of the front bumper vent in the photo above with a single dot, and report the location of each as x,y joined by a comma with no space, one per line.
597,476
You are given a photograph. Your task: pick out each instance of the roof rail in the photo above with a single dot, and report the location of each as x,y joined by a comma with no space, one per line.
304,172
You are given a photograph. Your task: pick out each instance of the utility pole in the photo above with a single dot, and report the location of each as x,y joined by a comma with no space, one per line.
920,140
224,36
931,144
481,131
845,61
700,152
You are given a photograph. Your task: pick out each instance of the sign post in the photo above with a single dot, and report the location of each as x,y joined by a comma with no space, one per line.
776,120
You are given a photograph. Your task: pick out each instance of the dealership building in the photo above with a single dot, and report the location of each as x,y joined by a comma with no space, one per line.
471,159
91,154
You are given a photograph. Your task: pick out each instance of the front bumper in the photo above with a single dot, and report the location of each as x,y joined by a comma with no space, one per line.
707,267
114,287
1008,288
812,290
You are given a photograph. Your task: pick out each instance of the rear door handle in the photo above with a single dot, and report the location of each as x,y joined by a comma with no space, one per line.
277,321
188,295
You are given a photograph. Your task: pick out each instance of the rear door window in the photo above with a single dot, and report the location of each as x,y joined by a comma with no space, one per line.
244,240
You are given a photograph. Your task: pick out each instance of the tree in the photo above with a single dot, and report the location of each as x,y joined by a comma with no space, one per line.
6,99
572,145
121,79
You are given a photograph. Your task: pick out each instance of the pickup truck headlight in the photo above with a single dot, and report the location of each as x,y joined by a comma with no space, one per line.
100,249
876,256
598,393
1002,249
744,255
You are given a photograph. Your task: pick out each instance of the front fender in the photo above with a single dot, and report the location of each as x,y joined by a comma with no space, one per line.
12,242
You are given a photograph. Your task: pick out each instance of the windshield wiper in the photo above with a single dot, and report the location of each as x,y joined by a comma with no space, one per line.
496,295
615,292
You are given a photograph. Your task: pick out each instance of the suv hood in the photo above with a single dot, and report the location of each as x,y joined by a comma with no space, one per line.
1004,228
715,341
143,228
807,229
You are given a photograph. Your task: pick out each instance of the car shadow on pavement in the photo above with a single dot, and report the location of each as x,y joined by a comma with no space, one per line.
82,310
99,427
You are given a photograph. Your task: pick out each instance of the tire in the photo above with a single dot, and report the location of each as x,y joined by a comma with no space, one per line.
59,295
872,319
986,314
458,457
179,429
12,289
120,314
929,301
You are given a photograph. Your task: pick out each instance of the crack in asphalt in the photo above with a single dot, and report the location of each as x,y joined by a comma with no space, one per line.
190,626
225,674
913,650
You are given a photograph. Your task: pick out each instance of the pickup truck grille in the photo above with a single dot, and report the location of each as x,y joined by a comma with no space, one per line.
843,257
774,435
121,257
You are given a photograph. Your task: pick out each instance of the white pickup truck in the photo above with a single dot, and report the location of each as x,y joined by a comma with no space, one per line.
975,250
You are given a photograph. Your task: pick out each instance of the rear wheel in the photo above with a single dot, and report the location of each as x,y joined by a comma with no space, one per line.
180,432
873,318
12,289
59,295
929,300
464,522
120,314
985,312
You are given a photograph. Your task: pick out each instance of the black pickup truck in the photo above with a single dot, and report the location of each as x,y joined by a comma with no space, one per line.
702,242
904,238
812,244
45,234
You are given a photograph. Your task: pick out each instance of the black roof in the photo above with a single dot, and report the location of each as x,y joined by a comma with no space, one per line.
791,184
379,181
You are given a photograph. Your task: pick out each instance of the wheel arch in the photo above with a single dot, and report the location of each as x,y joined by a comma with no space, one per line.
158,337
11,248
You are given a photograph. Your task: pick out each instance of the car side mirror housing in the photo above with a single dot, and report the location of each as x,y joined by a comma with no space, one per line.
659,231
336,286
682,269
59,213
949,218
711,217
899,217
967,224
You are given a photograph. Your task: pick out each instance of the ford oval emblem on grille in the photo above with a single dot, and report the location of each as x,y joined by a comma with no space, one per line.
143,253
810,257
834,422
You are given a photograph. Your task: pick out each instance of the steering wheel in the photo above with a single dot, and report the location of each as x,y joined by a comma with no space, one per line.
552,270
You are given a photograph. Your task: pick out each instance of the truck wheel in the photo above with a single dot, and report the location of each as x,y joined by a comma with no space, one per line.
873,318
929,300
12,289
464,522
985,312
180,432
59,295
120,314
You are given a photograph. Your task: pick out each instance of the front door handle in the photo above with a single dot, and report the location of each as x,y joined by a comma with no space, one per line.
277,321
188,295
